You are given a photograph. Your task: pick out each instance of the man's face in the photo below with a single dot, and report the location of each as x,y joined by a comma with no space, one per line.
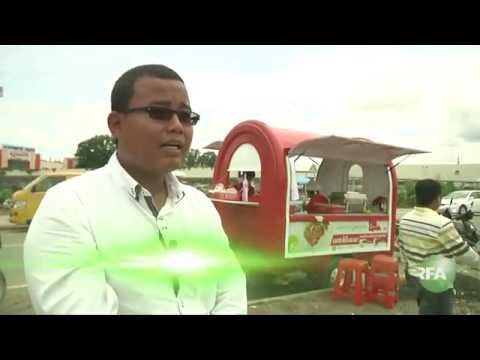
148,144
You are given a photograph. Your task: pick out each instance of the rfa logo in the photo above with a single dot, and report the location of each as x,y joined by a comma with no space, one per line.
432,273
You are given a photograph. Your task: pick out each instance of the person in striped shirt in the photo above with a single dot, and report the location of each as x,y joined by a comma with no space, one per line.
431,246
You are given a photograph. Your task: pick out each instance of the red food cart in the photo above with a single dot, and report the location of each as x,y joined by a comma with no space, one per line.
279,229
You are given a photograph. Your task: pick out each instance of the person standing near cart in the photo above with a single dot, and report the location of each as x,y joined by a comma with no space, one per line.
431,247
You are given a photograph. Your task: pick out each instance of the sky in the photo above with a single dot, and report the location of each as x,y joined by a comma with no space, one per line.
422,97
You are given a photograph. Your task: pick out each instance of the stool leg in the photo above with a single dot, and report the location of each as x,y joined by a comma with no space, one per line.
358,288
390,292
336,288
347,281
369,286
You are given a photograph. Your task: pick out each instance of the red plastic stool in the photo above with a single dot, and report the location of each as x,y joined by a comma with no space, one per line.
383,282
345,270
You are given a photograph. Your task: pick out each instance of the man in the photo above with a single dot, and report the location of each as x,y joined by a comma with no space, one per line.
129,238
430,244
250,175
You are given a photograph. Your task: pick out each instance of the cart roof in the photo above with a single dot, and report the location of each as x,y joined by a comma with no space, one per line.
333,147
286,138
351,149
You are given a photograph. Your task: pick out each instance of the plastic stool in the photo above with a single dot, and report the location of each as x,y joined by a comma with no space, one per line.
383,282
346,269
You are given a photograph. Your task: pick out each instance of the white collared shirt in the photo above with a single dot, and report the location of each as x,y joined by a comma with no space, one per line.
94,247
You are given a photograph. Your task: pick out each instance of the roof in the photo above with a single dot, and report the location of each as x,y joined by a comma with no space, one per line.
287,138
334,147
216,145
351,149
200,173
446,172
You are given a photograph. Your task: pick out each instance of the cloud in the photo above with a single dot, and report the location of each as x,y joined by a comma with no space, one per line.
408,96
390,104
467,122
54,130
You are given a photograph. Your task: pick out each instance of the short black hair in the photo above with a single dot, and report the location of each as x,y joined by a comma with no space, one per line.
250,175
123,89
426,191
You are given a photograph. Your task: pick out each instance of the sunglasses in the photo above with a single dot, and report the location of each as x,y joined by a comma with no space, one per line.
161,113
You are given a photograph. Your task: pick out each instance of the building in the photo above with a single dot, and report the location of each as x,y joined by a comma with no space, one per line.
70,163
464,173
18,158
51,165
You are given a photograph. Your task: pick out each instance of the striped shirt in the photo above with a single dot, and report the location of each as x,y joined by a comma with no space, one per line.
424,233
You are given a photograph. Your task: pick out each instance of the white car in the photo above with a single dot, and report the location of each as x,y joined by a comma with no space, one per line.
7,204
459,202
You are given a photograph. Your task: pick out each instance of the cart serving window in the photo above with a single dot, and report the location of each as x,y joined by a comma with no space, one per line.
334,220
244,178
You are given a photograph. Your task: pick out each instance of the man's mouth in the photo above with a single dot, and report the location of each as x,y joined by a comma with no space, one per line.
174,145
171,146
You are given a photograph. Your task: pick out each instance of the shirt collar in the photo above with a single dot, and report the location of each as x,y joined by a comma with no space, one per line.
174,187
425,210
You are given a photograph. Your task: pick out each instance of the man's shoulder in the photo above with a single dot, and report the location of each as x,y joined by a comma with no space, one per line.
86,182
426,217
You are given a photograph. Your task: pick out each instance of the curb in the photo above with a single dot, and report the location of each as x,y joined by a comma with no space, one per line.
13,227
463,282
287,297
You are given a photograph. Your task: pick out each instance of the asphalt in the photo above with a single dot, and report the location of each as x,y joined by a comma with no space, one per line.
5,224
317,302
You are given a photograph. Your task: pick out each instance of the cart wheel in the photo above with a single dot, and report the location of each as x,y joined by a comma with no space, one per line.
326,279
3,286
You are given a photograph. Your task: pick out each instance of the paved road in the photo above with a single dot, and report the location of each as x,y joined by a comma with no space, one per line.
17,300
11,263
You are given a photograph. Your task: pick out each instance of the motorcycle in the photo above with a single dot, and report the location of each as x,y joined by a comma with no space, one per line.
465,227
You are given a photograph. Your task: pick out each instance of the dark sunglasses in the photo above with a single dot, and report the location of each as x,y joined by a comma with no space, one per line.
161,113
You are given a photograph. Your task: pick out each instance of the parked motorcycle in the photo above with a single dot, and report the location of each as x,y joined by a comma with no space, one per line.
465,227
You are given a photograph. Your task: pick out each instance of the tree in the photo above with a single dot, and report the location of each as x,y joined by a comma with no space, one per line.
192,158
406,194
95,152
5,194
447,188
207,159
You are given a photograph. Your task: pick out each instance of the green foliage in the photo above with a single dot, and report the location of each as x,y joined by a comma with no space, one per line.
406,194
95,152
447,187
207,159
5,194
192,158
195,159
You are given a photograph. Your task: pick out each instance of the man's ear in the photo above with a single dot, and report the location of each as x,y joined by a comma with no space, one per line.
115,124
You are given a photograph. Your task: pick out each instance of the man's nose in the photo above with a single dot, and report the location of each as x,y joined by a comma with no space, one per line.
174,124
